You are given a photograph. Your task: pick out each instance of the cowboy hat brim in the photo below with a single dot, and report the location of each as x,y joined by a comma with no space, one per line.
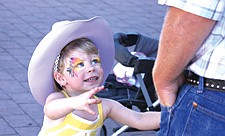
40,68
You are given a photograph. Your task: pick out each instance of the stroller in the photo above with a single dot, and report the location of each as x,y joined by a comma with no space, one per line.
143,96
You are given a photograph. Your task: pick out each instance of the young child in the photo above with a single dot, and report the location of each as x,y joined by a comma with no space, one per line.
81,55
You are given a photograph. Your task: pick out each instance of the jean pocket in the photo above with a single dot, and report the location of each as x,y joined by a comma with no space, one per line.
180,96
167,113
209,113
205,120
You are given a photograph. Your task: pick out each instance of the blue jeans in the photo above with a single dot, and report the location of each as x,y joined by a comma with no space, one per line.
197,112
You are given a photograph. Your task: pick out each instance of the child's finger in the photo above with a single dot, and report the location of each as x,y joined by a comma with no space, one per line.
89,110
98,100
95,90
94,101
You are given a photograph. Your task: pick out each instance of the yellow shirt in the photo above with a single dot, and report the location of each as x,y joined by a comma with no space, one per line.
74,125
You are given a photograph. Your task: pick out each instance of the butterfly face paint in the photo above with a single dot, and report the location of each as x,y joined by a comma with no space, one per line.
77,64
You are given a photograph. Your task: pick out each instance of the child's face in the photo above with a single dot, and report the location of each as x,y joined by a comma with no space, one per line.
83,71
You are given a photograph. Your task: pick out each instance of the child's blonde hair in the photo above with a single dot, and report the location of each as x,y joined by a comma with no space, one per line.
82,44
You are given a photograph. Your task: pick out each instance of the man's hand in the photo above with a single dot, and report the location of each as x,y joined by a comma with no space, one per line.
170,92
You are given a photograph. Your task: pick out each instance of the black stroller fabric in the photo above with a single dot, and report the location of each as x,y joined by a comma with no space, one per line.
117,91
120,92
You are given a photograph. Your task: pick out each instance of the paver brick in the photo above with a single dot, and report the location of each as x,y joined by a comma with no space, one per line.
24,23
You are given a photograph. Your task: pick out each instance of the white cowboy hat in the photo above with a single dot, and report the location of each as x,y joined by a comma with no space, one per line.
40,69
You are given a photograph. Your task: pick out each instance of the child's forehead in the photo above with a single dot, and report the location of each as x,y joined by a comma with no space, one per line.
81,54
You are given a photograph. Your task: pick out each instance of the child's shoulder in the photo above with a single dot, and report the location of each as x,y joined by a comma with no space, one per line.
109,103
111,107
55,95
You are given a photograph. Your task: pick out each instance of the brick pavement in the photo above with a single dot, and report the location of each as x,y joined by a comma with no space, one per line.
23,23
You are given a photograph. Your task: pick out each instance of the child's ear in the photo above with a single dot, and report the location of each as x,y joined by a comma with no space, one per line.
59,78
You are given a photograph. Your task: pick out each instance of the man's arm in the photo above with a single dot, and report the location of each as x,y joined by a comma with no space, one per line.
182,35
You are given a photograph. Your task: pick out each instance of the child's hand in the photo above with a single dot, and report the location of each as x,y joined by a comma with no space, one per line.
87,99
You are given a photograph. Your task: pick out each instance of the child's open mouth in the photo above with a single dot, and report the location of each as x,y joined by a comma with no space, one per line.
91,79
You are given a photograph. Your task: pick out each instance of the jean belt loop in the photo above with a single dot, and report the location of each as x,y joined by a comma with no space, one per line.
200,85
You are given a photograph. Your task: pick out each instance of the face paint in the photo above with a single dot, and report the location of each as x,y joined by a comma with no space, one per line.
75,65
96,61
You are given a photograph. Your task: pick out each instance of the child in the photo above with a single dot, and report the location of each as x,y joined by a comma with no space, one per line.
81,55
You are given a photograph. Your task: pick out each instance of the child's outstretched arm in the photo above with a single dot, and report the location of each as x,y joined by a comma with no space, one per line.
123,115
57,106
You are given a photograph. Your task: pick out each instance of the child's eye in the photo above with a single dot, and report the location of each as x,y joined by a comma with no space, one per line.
79,65
96,61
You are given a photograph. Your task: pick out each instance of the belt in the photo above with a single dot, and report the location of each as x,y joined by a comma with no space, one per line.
212,84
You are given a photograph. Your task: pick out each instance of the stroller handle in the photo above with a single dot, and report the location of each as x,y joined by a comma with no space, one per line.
143,43
122,54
